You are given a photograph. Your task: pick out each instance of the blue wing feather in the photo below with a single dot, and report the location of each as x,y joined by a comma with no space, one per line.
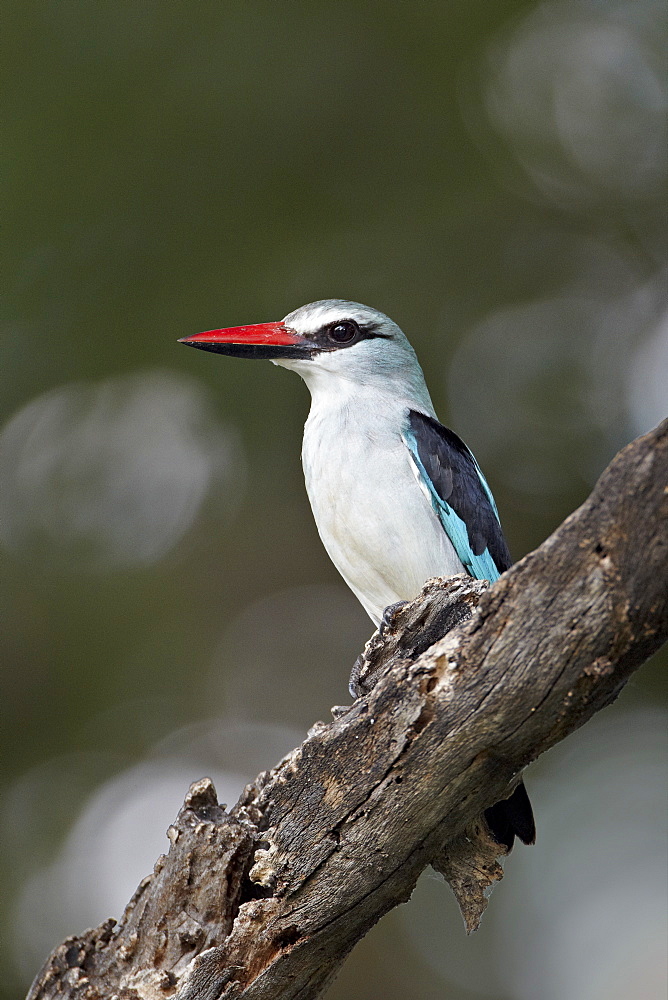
460,496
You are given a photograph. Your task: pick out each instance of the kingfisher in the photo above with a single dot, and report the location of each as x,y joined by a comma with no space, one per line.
397,497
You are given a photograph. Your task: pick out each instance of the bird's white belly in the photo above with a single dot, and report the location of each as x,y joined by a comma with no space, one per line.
377,525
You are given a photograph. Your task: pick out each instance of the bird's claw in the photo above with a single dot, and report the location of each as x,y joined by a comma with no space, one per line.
355,686
388,615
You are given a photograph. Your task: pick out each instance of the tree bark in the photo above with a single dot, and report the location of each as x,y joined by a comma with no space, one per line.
266,900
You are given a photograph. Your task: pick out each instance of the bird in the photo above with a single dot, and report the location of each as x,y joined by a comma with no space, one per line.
397,497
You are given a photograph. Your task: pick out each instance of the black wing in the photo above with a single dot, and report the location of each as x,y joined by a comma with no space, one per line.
458,487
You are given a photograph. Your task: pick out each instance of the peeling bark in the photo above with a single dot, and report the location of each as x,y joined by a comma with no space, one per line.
266,900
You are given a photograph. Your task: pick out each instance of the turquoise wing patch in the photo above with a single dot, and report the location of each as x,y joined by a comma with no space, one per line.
460,496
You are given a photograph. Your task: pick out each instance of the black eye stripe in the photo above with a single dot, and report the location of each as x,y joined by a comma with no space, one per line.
373,331
345,332
348,331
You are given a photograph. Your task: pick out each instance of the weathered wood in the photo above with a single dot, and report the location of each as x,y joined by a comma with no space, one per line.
267,900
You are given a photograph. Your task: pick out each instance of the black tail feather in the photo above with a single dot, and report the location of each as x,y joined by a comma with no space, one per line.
512,817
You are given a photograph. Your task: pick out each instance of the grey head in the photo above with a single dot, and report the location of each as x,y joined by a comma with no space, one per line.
334,344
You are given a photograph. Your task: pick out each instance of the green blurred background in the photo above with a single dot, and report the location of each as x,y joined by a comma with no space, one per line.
492,176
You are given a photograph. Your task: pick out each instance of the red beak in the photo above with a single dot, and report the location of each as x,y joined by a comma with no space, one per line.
263,340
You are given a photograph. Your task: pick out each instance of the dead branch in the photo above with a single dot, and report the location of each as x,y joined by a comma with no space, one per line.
266,900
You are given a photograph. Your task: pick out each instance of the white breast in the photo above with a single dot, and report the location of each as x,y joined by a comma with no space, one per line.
376,523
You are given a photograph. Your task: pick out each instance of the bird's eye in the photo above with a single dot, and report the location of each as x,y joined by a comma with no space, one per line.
343,333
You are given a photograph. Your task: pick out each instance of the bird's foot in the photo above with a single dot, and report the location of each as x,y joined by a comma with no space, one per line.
388,615
355,684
